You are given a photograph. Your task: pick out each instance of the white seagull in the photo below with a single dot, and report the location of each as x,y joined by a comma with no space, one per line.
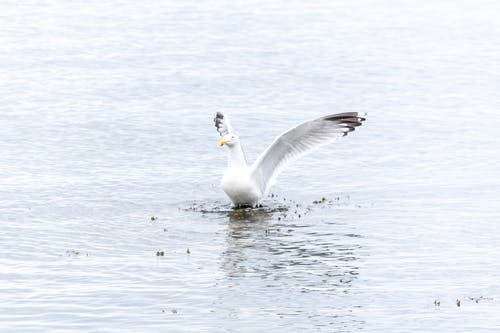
246,185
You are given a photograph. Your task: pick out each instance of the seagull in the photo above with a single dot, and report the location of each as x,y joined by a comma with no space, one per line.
245,185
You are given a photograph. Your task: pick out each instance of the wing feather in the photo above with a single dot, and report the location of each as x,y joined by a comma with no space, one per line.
222,124
300,141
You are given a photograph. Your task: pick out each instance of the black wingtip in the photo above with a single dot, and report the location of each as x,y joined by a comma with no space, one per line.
219,122
347,120
345,117
218,118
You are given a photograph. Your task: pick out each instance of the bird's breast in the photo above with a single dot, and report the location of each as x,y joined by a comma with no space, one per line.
240,188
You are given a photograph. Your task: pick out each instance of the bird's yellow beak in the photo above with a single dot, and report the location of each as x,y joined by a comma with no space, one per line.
222,143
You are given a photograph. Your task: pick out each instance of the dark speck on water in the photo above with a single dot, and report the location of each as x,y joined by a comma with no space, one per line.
480,298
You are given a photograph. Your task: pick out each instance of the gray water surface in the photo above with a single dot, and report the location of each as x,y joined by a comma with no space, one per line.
106,114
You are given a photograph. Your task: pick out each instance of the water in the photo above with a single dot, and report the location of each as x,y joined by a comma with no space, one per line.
106,120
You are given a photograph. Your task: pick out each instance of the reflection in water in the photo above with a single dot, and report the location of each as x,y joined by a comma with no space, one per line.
292,259
282,245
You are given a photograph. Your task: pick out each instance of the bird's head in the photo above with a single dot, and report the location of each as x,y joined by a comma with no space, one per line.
229,140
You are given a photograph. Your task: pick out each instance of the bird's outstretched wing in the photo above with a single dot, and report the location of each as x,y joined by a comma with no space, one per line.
222,124
299,141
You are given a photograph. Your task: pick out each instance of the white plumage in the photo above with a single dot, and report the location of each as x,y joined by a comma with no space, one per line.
245,185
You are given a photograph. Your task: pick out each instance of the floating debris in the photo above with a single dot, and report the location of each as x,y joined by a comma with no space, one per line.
279,209
317,202
480,298
73,253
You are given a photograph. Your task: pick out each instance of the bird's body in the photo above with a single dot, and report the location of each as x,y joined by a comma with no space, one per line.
246,185
240,188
